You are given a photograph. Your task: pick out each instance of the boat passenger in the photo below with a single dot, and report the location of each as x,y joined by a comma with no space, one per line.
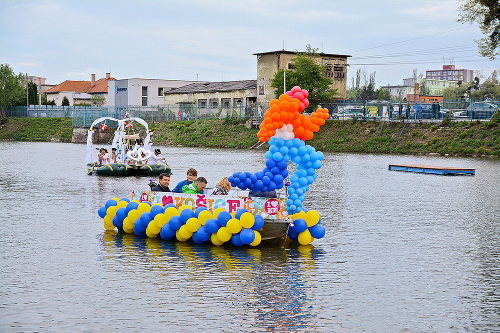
163,182
114,156
104,157
195,188
191,177
156,158
222,187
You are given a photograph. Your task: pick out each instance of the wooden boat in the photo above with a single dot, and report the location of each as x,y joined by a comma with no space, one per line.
132,151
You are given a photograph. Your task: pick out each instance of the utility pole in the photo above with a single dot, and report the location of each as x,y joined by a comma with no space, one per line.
27,95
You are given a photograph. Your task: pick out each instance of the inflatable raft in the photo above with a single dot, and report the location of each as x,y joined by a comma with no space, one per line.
122,169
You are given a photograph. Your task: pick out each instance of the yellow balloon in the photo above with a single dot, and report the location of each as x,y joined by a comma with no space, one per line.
312,218
154,228
223,234
305,237
111,211
215,240
126,223
216,212
136,201
143,207
128,231
179,237
108,223
150,234
133,215
247,220
171,211
193,224
184,232
257,240
122,204
160,220
299,215
181,208
233,214
115,199
234,226
204,216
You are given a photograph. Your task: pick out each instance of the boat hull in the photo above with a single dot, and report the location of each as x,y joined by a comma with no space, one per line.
123,170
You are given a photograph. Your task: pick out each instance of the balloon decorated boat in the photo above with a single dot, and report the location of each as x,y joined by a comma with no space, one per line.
252,216
132,152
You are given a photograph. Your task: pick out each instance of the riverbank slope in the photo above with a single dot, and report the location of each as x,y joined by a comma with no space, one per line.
446,138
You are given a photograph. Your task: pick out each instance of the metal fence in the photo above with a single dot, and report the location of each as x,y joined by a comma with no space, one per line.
455,110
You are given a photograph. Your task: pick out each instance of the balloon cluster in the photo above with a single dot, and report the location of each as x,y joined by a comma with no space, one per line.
281,151
306,227
285,112
144,219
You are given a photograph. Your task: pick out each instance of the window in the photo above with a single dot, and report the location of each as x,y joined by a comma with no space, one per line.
144,96
214,103
202,103
226,103
160,92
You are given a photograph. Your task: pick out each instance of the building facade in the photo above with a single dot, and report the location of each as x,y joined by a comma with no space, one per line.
79,91
268,64
450,73
141,92
407,90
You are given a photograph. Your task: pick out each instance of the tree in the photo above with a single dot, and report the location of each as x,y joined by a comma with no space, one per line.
307,74
487,14
65,101
98,100
32,93
12,89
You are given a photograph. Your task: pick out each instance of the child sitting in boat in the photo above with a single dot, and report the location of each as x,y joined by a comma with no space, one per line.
222,187
195,188
191,177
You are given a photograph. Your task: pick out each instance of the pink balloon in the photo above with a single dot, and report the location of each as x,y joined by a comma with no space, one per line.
301,107
306,102
305,93
289,93
298,95
295,89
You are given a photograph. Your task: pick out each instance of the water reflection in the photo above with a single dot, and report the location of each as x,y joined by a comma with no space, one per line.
275,282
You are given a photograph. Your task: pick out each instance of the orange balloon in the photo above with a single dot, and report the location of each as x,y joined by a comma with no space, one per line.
275,116
308,135
306,122
296,101
274,101
276,124
293,106
284,115
270,133
284,105
267,113
270,127
321,122
296,122
290,116
275,108
314,128
298,131
284,97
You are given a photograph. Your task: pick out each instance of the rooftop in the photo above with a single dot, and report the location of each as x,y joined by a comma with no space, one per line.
321,54
207,87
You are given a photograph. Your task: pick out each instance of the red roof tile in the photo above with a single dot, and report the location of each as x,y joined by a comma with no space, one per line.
101,86
76,86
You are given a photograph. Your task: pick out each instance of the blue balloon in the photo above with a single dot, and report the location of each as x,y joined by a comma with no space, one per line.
306,158
264,188
239,212
291,208
242,177
236,174
302,150
145,219
284,150
280,185
271,186
278,179
110,203
293,234
117,222
299,191
199,210
296,159
230,178
166,232
241,186
293,151
186,214
155,210
320,155
274,171
302,181
212,226
195,239
131,206
270,163
297,142
168,206
259,222
266,180
121,213
280,142
314,156
289,143
236,182
223,217
102,212
282,165
258,184
293,196
291,190
248,173
274,149
268,154
248,182
294,178
277,156
175,222
308,164
235,239
259,174
309,148
295,185
297,202
317,231
253,178
316,164
299,225
139,229
202,234
247,236
310,179
302,173
125,199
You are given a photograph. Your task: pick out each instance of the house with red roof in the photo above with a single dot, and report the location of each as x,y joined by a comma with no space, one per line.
80,91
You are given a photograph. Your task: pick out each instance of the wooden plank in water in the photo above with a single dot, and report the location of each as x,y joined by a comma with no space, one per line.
432,169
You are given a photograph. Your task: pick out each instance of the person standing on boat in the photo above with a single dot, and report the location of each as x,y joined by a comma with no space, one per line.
191,177
195,188
114,156
222,187
163,182
156,158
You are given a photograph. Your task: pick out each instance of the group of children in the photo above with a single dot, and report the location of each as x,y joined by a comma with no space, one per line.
104,157
192,185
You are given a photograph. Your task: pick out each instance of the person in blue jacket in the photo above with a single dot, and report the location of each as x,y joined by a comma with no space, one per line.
191,177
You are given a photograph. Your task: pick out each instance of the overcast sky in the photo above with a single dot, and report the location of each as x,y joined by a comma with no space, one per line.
214,40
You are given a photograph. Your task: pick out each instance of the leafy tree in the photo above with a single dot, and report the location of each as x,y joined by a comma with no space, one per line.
307,74
32,93
490,89
45,102
98,100
12,89
65,101
487,14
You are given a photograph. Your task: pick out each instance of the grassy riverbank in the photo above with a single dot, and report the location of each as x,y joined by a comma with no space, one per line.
446,138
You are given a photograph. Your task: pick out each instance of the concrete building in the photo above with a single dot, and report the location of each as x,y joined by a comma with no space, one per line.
73,90
268,64
450,73
141,92
435,87
214,98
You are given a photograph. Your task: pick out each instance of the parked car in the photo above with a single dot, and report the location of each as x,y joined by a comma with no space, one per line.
481,110
460,114
348,114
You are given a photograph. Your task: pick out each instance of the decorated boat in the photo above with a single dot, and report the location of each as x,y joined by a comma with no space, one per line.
257,212
132,151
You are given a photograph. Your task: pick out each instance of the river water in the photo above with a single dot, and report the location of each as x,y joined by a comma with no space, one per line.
403,252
